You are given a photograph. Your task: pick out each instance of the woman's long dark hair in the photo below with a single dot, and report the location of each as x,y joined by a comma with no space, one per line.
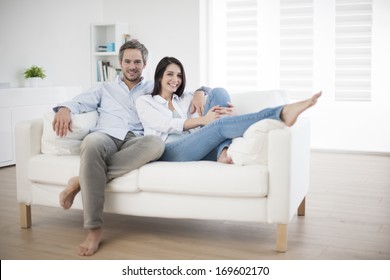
160,69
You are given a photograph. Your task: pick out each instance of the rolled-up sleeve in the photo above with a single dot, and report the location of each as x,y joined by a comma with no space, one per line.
83,103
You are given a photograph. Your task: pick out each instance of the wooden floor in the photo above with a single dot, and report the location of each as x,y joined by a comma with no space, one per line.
347,217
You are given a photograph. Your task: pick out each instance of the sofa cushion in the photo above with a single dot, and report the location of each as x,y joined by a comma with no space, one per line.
250,102
252,147
56,170
196,178
204,178
70,144
53,169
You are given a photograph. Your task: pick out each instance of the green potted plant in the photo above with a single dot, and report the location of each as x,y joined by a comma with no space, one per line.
34,75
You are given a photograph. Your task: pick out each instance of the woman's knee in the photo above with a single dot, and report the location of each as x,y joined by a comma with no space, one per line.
219,96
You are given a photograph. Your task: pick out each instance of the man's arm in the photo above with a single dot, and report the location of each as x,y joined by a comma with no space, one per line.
85,102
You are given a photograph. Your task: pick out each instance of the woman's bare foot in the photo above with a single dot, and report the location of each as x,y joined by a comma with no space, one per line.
291,111
224,158
67,196
91,243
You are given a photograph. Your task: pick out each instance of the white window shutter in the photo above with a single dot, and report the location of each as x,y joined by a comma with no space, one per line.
241,45
353,50
238,45
296,47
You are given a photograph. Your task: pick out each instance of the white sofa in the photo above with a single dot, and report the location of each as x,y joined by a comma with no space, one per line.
264,193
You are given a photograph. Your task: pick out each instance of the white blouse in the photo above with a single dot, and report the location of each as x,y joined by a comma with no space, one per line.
157,118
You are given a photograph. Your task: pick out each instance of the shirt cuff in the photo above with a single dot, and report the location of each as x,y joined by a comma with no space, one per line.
178,124
70,105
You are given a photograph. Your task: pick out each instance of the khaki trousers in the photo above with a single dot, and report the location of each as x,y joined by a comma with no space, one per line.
103,158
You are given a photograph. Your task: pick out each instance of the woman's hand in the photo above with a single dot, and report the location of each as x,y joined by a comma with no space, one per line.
212,114
227,111
198,102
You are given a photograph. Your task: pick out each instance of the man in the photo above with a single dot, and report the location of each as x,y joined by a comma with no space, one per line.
113,147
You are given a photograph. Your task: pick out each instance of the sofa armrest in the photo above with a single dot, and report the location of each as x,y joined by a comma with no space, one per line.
28,136
289,170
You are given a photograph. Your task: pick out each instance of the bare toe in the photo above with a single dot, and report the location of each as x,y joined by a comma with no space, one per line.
91,243
68,194
291,111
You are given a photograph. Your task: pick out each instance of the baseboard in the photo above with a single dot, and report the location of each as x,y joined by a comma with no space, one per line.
356,152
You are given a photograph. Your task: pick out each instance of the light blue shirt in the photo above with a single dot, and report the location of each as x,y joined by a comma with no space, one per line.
115,104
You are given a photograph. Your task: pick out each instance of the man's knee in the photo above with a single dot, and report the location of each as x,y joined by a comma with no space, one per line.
155,146
90,141
96,143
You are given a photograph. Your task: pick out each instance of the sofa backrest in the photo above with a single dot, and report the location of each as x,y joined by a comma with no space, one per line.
249,102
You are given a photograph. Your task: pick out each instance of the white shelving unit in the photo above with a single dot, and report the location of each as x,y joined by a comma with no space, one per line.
103,34
21,104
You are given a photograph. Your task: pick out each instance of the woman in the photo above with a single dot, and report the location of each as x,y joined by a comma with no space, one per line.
166,113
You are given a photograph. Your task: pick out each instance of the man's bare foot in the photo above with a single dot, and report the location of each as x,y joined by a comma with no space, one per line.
224,158
91,243
291,111
67,196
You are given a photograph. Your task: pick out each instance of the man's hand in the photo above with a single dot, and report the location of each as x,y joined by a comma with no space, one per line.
198,102
62,122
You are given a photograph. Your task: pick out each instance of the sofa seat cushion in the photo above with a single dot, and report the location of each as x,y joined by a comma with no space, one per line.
56,170
204,178
194,178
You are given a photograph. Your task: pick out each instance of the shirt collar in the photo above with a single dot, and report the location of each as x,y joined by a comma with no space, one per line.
161,100
175,96
119,80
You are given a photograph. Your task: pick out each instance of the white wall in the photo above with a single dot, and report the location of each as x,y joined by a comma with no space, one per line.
167,28
53,34
355,126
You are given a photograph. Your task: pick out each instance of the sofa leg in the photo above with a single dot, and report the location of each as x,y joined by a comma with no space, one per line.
25,215
281,238
302,207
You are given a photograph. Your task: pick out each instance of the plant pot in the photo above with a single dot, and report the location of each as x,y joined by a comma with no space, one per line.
33,82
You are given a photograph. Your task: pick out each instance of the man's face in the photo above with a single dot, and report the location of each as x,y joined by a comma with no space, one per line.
132,65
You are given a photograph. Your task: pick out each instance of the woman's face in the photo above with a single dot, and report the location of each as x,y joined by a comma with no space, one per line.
171,79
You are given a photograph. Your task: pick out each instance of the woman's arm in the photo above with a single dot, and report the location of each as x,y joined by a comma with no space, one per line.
211,115
156,117
198,101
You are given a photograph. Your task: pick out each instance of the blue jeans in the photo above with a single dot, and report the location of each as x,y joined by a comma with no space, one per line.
208,142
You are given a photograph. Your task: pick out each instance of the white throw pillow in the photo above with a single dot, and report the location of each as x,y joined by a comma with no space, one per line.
252,148
70,144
